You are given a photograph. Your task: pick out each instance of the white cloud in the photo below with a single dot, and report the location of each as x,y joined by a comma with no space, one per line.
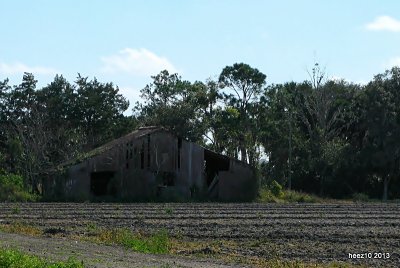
384,23
141,62
19,68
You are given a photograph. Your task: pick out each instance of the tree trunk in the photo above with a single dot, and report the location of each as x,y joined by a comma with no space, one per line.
243,154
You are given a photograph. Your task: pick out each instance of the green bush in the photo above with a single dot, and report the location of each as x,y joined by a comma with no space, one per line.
271,193
12,188
266,196
14,258
276,189
11,179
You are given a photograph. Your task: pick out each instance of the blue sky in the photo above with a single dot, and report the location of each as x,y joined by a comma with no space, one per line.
126,42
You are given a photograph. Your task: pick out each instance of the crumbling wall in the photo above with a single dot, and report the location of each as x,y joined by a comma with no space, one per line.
155,166
237,184
77,184
67,184
163,148
138,185
191,172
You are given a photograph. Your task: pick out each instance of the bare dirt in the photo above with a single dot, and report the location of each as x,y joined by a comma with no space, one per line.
99,256
318,233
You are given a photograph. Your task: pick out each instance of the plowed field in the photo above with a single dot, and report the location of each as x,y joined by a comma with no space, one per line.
306,232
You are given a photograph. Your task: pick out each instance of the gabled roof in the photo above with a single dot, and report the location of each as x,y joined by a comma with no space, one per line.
142,131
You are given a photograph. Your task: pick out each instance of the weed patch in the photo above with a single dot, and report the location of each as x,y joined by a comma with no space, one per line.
20,228
10,258
274,194
169,211
157,243
293,196
277,263
12,188
202,248
16,210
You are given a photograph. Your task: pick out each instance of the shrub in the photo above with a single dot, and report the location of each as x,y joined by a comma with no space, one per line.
12,188
271,193
276,189
11,179
265,195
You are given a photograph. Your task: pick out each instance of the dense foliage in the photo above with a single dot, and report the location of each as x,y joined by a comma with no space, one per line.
41,128
327,137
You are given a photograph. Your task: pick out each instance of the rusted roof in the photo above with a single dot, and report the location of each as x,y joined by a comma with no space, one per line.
142,131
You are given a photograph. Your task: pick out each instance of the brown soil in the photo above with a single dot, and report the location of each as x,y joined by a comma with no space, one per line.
99,256
318,233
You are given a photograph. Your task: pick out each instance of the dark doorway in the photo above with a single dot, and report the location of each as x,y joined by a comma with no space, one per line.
100,183
213,164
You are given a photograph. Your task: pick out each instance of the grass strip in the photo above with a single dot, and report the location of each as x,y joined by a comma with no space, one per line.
11,258
157,243
161,243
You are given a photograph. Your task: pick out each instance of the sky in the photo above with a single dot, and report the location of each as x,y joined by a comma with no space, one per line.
126,41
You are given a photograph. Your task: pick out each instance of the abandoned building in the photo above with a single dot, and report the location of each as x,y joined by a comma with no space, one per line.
152,164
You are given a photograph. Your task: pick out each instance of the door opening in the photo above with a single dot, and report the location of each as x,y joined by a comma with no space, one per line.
213,163
100,183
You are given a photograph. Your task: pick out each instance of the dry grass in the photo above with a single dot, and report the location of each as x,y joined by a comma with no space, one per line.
20,228
225,251
154,243
161,243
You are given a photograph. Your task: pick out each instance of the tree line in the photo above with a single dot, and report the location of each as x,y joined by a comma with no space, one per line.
328,137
